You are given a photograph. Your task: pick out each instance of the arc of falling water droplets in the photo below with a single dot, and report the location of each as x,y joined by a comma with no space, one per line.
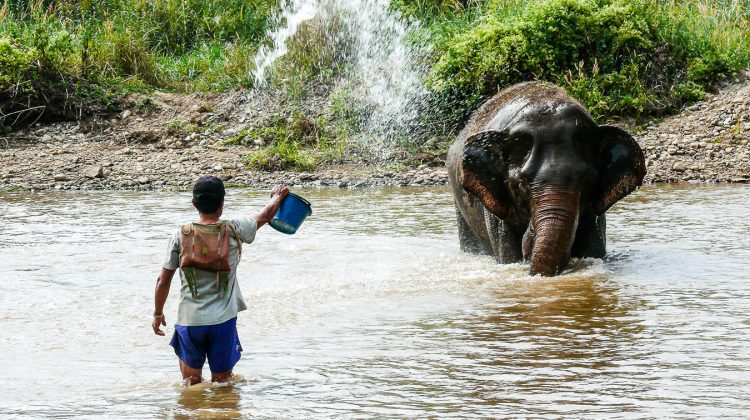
384,62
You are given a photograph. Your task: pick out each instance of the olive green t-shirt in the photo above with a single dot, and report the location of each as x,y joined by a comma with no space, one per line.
209,308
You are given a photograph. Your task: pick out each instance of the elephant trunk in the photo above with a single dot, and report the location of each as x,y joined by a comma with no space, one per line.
554,220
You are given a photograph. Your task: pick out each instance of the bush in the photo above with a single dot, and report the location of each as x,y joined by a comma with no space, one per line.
178,26
318,54
16,63
281,155
34,81
618,57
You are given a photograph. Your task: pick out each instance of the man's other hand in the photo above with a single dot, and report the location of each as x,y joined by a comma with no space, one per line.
157,322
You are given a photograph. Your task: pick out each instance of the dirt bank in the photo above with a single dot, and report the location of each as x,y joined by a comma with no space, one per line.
167,141
706,142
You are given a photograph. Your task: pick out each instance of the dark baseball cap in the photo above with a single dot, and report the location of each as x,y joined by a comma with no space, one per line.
208,193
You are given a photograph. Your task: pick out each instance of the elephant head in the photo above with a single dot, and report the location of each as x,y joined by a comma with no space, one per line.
544,166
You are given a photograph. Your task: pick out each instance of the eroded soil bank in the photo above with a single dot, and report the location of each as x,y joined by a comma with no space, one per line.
170,141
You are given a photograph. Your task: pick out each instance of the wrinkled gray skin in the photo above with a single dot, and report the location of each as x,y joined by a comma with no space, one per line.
532,175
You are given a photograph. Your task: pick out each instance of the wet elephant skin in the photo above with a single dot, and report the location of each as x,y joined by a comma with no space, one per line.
532,176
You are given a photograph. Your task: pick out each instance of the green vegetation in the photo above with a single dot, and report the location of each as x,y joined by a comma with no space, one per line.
75,57
619,58
632,58
298,141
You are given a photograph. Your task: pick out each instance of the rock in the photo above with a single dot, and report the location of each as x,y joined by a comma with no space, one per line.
61,178
225,177
143,180
679,167
96,171
218,168
125,114
45,138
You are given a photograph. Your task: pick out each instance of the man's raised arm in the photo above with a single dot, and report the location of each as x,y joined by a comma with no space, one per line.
277,196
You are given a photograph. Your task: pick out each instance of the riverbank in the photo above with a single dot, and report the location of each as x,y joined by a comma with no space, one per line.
169,142
706,142
173,139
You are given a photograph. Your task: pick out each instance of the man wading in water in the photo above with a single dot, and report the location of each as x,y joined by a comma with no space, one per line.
207,253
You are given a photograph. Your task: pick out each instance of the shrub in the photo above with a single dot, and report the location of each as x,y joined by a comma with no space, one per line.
284,154
618,57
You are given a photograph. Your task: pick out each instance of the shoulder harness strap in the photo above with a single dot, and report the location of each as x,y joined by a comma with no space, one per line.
187,228
237,238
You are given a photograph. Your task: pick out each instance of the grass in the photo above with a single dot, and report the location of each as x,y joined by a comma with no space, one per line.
619,58
298,140
76,58
635,58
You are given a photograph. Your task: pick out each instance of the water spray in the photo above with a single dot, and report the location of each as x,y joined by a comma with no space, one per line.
384,64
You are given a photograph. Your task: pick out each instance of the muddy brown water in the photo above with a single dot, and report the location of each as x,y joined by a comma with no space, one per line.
372,311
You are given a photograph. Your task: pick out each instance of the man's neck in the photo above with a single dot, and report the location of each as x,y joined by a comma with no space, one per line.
208,218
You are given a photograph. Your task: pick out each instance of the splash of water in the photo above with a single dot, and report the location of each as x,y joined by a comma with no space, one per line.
384,64
294,14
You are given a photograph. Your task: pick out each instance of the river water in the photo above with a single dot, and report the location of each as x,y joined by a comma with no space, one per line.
371,310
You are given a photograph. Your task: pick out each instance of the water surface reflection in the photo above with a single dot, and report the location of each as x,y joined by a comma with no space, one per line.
372,311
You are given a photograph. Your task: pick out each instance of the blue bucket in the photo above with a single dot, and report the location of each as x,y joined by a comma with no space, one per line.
293,211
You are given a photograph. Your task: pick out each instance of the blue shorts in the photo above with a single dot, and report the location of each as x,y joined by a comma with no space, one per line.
219,342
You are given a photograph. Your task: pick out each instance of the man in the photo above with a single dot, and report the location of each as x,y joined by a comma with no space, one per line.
207,253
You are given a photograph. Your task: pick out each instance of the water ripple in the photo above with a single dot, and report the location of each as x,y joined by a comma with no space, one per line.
372,311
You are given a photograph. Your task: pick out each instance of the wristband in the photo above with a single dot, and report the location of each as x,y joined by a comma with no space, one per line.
158,315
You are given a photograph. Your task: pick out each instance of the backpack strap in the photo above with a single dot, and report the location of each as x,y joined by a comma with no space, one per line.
237,238
187,245
192,284
222,283
187,228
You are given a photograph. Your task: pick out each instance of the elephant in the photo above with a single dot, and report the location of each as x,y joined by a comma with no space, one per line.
532,175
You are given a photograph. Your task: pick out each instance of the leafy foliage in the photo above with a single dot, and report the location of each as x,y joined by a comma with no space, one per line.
618,57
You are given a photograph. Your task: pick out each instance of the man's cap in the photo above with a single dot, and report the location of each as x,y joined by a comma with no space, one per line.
209,190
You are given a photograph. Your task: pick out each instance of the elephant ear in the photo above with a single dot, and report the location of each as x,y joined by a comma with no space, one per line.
621,167
484,171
